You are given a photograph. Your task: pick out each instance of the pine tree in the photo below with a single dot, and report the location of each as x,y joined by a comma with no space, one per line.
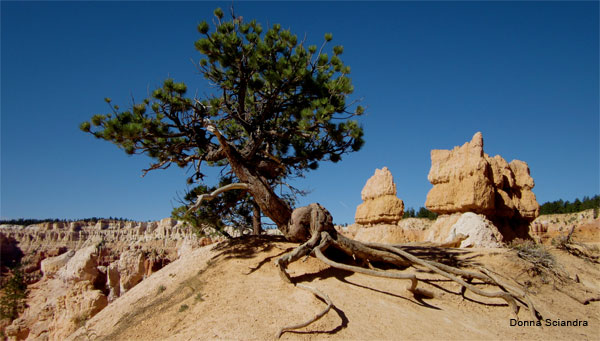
425,213
281,109
14,293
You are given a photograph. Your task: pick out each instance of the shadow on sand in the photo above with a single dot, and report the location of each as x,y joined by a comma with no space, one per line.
247,247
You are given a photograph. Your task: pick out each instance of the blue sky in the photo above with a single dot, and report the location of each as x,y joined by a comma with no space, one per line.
431,74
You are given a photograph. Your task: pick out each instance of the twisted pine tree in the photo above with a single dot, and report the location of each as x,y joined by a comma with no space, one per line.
280,108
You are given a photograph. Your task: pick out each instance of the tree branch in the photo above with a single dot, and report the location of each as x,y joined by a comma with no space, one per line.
214,194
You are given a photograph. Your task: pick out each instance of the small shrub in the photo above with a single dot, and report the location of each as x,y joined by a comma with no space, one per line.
199,297
536,254
80,320
559,242
183,308
577,249
161,288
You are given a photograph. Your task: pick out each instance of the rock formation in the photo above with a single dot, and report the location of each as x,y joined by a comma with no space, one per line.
51,265
585,226
380,203
10,253
83,266
80,303
408,230
465,179
131,269
75,234
462,180
75,269
64,299
465,230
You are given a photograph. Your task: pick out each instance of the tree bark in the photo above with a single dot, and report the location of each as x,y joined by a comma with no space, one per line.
270,203
256,224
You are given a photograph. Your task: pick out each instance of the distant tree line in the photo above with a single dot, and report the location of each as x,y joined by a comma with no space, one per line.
550,207
561,206
421,213
27,222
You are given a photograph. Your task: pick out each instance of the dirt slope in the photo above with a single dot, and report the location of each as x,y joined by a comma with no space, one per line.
233,291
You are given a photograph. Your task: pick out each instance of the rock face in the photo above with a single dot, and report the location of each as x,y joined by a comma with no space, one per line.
408,230
380,203
166,234
64,298
10,253
84,266
466,229
465,179
36,243
462,180
113,281
51,265
80,303
75,287
131,269
585,226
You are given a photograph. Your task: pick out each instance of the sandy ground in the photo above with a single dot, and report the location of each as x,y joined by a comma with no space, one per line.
232,290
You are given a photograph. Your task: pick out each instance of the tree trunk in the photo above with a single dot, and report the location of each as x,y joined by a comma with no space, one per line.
269,203
256,224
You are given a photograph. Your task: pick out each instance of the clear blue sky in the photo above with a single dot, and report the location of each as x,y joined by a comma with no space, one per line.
431,74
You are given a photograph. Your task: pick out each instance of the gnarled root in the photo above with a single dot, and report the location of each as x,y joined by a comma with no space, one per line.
326,240
323,236
322,313
583,301
299,252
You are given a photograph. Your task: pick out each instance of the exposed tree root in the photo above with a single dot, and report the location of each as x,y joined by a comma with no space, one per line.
302,250
323,236
588,300
517,292
583,301
322,313
313,225
582,251
326,241
450,272
577,249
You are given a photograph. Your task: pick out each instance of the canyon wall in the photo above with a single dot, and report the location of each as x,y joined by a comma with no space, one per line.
76,269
